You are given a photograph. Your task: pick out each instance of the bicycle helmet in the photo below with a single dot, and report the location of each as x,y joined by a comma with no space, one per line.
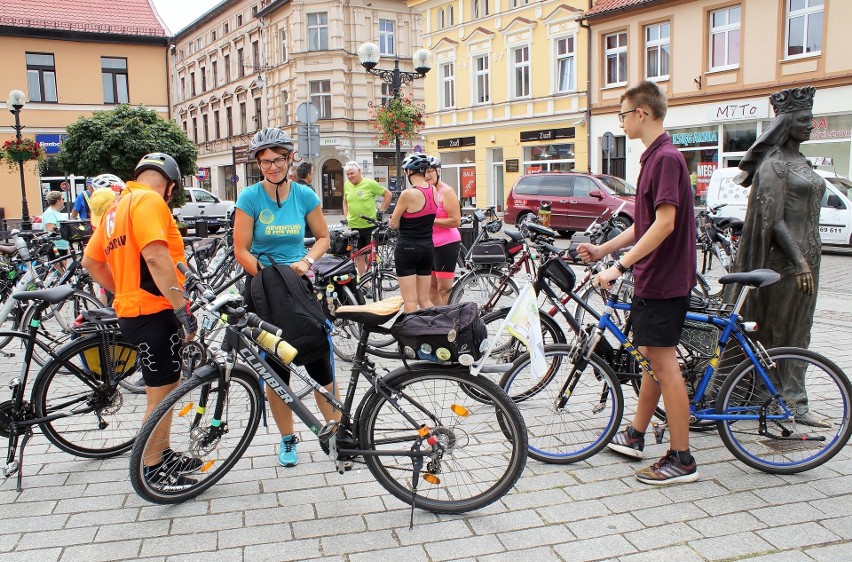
161,162
417,163
108,180
269,138
434,162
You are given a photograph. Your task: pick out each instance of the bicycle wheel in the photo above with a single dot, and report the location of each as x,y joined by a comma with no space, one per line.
480,431
201,419
484,285
345,333
786,446
57,321
585,423
82,381
12,322
507,348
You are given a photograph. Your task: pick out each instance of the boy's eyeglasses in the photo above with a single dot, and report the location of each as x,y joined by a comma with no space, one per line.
624,113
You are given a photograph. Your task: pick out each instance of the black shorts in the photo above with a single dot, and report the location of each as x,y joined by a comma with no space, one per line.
364,235
159,338
658,322
413,257
444,260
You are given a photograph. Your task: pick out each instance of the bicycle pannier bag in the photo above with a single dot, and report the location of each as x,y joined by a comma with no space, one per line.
338,244
490,252
442,334
288,301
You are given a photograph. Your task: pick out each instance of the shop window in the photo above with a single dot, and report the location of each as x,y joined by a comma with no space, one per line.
738,137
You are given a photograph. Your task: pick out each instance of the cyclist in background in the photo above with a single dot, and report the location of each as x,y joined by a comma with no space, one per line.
359,198
445,235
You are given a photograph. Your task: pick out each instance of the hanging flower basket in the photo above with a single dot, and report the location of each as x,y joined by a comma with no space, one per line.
399,117
15,152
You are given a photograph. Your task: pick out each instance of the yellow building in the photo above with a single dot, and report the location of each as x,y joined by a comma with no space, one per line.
507,92
70,60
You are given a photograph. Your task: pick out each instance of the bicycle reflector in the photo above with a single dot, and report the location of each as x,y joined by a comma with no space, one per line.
185,410
460,411
749,327
431,478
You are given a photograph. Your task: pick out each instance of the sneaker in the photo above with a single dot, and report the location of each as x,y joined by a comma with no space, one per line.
167,480
287,451
180,463
668,470
811,420
628,446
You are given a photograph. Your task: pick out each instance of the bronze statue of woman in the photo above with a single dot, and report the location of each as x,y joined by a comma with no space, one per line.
781,232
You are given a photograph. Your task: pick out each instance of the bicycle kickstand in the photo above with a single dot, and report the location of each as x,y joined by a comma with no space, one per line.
417,464
14,466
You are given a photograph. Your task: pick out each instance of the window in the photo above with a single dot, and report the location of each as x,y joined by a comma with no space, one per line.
480,8
241,63
386,41
216,128
227,28
227,65
657,50
204,125
285,107
321,97
239,20
725,38
565,64
183,87
195,130
283,46
521,72
451,16
243,118
804,26
583,186
254,10
447,77
214,65
203,72
387,92
518,3
258,121
615,51
318,31
442,19
229,121
213,36
255,54
114,80
192,84
482,74
41,77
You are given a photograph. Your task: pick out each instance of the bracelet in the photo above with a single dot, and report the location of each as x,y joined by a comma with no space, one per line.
620,267
306,261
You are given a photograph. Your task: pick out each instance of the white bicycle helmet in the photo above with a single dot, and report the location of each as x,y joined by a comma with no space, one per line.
108,180
269,138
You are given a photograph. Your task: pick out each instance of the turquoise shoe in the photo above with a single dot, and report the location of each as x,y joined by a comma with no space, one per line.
287,451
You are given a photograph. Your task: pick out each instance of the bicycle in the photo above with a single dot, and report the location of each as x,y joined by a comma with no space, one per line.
577,413
457,434
76,400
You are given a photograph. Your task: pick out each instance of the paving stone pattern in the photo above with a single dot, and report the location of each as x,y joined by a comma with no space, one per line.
75,509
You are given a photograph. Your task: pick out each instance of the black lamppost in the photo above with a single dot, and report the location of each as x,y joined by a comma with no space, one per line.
15,104
369,55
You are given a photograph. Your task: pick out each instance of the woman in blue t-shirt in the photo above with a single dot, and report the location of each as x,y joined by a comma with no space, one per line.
50,219
269,226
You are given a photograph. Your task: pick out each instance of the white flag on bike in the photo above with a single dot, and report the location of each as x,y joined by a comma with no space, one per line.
524,324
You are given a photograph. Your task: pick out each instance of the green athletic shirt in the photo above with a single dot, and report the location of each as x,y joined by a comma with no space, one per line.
361,200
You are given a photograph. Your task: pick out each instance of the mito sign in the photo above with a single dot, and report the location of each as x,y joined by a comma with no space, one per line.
738,110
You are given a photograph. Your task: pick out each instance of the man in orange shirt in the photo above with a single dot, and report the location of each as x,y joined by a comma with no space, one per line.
134,254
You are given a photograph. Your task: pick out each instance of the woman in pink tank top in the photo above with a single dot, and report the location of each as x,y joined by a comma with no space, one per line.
445,235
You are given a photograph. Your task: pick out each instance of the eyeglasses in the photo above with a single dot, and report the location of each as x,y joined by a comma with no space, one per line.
623,113
279,162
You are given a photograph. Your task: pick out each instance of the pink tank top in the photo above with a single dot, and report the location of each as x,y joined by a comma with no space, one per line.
441,235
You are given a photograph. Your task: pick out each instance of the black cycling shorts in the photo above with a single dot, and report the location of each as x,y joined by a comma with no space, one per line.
159,338
413,257
658,322
364,235
444,260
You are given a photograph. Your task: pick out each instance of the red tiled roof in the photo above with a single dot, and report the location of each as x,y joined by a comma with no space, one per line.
120,17
605,6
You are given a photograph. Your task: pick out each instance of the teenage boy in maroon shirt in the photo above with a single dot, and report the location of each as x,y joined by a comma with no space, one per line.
663,261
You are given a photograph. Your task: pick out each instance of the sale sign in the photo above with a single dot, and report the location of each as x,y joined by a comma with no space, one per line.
468,181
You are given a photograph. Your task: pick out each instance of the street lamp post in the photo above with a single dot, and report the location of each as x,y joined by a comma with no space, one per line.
369,55
15,104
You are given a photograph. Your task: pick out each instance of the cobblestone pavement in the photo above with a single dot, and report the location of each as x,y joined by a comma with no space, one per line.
76,509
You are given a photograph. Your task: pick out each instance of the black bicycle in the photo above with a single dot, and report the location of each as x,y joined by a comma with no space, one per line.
434,436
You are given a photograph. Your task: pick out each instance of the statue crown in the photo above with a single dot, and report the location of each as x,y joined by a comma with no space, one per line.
794,99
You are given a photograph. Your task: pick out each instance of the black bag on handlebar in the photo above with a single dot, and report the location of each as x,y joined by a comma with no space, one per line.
494,251
338,244
441,334
75,230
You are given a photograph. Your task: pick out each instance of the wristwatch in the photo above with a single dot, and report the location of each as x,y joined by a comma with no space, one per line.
309,259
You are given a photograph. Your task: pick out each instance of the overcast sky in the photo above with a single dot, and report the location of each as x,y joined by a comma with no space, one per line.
177,14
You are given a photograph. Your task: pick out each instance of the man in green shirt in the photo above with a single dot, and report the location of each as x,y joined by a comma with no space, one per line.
359,198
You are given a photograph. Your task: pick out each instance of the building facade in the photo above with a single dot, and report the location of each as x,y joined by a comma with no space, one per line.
507,94
72,60
252,64
718,61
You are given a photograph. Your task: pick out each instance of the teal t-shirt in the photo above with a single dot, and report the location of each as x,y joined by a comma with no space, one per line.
361,200
279,232
53,217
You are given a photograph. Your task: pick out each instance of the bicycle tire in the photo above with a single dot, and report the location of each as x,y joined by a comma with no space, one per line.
588,421
485,440
480,285
57,321
345,333
829,394
187,414
108,425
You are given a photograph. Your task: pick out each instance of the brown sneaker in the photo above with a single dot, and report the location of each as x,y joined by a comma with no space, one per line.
668,470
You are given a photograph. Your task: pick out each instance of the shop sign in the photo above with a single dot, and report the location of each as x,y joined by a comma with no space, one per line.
240,154
513,165
468,181
547,134
739,110
457,142
328,141
828,128
696,138
704,171
50,143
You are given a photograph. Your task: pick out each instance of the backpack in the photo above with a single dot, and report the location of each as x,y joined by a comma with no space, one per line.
288,301
442,334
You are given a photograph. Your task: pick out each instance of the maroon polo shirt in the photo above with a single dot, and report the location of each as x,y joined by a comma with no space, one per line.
668,271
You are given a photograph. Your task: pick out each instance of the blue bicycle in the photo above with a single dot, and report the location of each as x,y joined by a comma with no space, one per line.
778,427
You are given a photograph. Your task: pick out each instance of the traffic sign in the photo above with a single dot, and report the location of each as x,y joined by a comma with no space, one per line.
203,174
607,142
308,140
63,186
307,113
235,178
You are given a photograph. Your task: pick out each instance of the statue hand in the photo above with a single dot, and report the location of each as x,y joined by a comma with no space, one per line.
805,282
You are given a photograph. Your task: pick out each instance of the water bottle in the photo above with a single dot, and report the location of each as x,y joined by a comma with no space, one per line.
217,259
274,344
21,246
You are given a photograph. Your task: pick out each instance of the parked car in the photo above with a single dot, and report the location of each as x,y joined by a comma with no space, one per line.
200,203
576,199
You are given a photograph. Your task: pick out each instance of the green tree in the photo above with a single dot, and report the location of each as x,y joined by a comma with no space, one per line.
112,142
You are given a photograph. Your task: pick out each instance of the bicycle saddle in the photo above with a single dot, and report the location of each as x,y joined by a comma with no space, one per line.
52,295
187,240
8,250
373,314
514,235
755,278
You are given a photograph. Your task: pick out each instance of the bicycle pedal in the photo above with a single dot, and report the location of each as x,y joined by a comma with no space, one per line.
659,432
11,468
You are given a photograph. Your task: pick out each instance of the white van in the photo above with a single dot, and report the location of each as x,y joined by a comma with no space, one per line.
835,218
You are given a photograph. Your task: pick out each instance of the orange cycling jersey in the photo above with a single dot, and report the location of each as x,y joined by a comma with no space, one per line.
139,217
